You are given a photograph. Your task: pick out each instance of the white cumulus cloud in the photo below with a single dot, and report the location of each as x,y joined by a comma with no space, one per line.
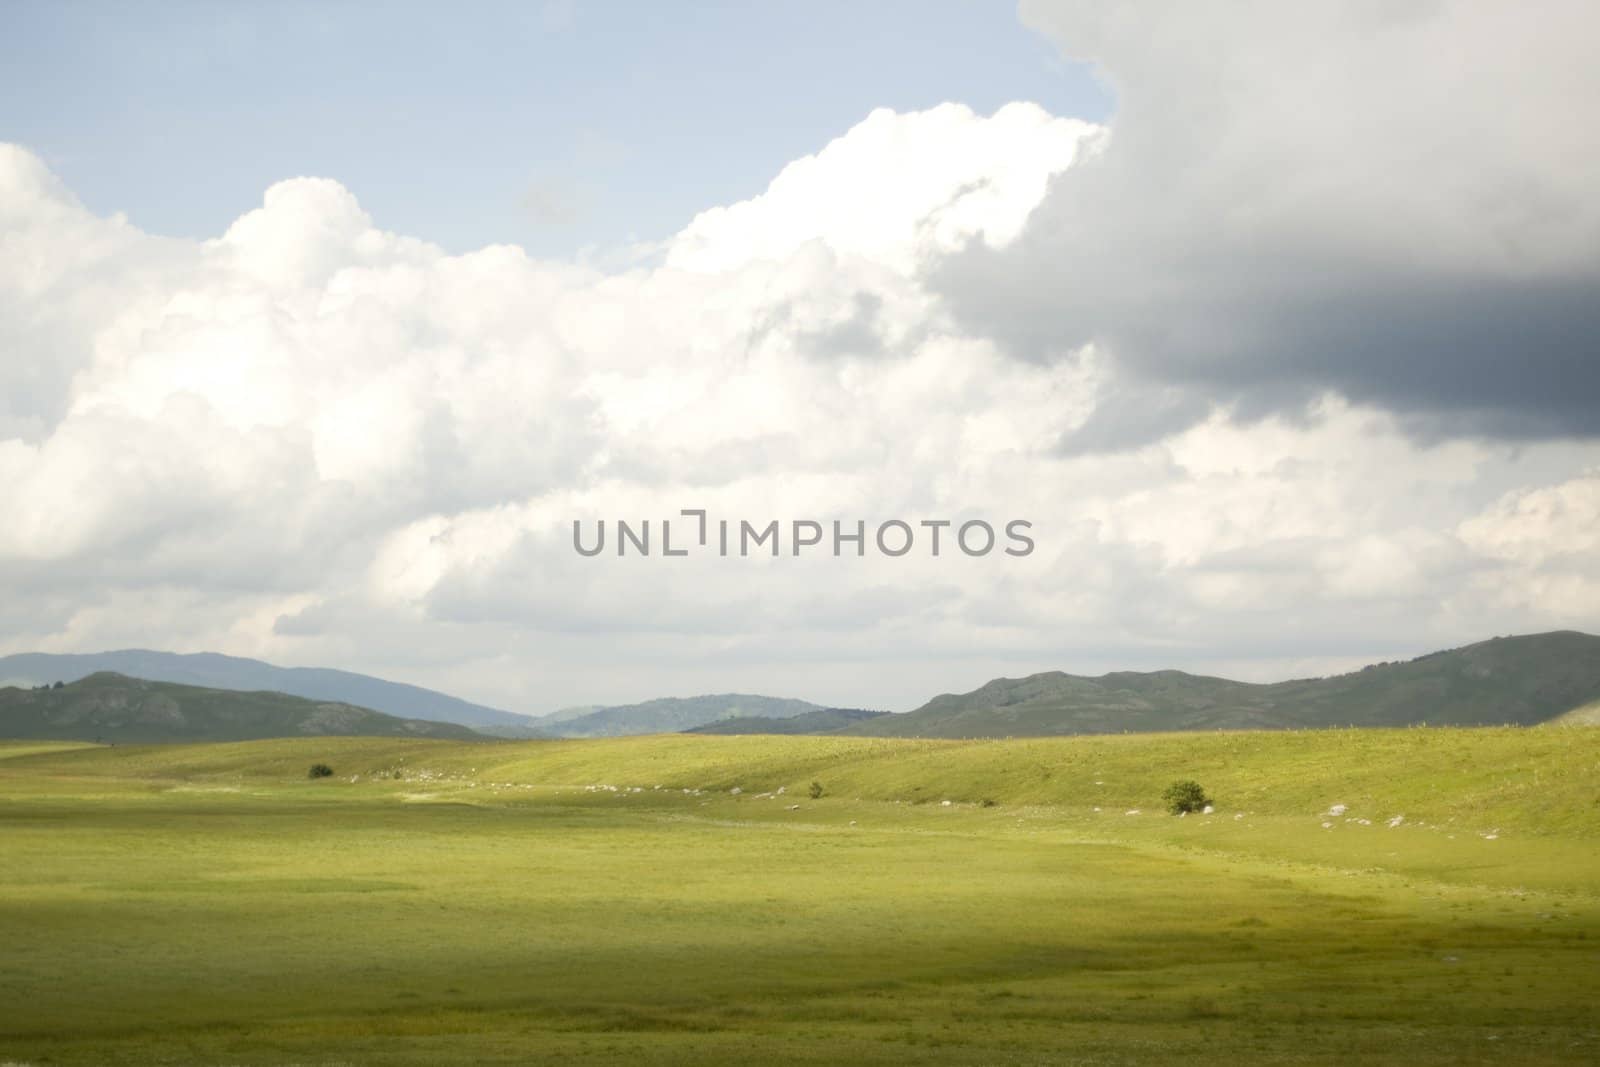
317,441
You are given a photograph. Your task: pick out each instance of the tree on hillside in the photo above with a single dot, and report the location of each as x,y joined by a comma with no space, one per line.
1185,796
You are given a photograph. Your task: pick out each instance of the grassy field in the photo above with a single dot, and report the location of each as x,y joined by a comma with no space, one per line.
615,901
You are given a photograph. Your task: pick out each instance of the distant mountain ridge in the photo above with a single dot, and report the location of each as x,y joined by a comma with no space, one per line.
1525,680
216,671
674,714
821,721
112,707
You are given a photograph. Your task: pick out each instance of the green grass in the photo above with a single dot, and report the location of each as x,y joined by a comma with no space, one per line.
462,903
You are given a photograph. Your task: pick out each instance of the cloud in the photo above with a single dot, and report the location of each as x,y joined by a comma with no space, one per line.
1546,543
1533,526
318,441
1394,201
895,190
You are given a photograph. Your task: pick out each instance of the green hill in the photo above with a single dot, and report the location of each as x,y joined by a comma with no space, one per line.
1521,680
825,721
1588,715
215,671
1538,782
674,714
115,708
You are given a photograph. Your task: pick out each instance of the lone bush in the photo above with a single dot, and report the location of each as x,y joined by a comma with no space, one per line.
320,770
815,790
1185,795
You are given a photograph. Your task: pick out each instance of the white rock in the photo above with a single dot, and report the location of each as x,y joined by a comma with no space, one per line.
1396,821
1337,810
944,803
1207,810
1132,811
736,791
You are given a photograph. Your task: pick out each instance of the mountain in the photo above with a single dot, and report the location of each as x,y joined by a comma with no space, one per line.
674,714
115,708
1526,680
250,675
1588,715
823,721
563,714
508,732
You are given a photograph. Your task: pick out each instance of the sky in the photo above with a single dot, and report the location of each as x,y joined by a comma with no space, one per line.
560,127
321,326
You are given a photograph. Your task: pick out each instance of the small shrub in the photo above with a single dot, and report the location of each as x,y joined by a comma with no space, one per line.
1185,795
990,802
320,770
815,790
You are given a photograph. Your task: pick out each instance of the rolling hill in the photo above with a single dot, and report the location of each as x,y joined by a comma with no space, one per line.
214,671
112,707
1523,680
674,714
824,721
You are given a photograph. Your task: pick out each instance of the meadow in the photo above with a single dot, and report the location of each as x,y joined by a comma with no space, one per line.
945,902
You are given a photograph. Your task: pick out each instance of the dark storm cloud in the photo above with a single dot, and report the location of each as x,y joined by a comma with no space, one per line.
1399,204
1516,359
